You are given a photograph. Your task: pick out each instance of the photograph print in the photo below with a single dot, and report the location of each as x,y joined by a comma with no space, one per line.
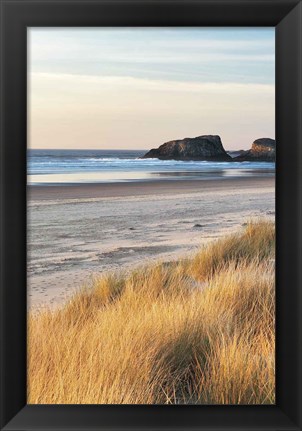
151,216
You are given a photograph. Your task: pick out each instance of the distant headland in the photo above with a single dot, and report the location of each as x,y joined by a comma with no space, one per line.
210,148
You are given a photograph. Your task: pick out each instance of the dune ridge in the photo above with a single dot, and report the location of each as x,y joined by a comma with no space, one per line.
195,331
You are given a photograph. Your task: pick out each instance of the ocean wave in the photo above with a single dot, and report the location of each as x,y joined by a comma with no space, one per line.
81,162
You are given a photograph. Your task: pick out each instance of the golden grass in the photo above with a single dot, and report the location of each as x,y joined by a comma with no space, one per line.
198,330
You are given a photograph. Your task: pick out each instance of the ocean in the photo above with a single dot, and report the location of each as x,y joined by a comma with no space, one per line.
45,167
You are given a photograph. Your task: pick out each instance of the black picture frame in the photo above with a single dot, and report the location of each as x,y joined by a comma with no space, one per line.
16,16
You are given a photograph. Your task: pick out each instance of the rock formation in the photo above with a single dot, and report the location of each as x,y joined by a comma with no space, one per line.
263,150
207,147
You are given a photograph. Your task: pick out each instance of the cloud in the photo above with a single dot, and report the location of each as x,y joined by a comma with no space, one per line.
231,88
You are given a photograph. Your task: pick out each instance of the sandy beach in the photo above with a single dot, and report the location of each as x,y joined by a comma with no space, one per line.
76,232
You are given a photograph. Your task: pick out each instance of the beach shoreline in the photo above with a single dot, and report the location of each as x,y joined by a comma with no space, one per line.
77,232
158,187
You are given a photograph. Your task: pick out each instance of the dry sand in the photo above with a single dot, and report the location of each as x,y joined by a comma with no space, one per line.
78,231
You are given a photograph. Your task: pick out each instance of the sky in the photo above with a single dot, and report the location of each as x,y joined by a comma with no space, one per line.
136,88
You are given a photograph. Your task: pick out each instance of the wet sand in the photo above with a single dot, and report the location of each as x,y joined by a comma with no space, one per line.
91,191
76,232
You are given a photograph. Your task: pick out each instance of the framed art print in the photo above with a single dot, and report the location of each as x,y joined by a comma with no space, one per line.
151,215
151,272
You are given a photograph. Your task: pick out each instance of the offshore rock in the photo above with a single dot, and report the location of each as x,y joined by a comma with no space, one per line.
263,150
206,147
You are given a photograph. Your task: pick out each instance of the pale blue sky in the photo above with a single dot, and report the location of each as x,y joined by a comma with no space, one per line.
139,87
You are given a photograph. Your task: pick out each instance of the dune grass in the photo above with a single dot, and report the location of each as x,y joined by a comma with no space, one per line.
198,331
